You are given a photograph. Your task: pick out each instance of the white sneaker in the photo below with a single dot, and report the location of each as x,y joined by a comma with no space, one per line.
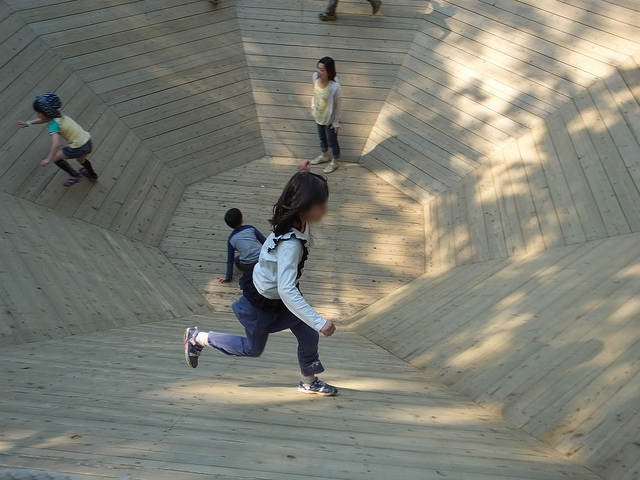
332,167
320,159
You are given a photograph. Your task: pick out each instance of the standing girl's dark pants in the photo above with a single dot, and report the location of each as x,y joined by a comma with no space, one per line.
258,324
333,5
329,140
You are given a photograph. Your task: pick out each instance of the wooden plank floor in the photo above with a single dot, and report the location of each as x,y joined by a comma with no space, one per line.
575,177
136,193
60,277
283,40
123,402
480,74
446,86
504,137
174,71
548,340
370,243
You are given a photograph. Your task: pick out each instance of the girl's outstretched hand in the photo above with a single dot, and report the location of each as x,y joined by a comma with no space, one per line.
304,166
45,162
22,124
328,329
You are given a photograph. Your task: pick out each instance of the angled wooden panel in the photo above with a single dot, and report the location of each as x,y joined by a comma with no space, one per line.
62,277
283,41
550,340
174,72
572,178
123,161
478,76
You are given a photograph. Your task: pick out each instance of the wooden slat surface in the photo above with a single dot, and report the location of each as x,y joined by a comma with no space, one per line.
480,74
444,88
134,187
60,277
572,178
550,340
370,243
124,403
504,140
283,41
173,71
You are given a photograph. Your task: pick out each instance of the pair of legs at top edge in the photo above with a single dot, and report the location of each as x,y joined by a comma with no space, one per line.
330,13
258,325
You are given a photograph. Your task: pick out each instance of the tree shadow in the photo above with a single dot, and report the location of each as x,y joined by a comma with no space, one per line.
528,194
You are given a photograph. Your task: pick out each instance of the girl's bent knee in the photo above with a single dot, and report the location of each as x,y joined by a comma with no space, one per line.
254,353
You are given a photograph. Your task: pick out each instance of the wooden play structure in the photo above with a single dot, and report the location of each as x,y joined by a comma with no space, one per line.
481,256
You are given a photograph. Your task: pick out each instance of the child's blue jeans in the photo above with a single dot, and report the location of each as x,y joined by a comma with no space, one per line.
258,325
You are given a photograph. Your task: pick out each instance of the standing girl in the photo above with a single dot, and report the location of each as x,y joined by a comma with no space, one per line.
271,300
327,110
79,144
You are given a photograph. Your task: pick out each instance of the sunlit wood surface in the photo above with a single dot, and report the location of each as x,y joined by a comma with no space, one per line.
550,341
572,178
370,243
481,74
124,402
498,144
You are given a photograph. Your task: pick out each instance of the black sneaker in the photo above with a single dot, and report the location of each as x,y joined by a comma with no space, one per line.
318,387
192,349
85,173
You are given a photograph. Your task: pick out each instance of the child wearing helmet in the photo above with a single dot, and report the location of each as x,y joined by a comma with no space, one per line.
62,127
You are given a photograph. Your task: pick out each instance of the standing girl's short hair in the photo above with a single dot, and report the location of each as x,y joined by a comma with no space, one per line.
330,65
303,191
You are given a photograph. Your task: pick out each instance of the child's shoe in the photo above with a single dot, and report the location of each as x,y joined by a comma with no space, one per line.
332,167
318,387
320,159
375,6
192,349
71,181
85,173
327,17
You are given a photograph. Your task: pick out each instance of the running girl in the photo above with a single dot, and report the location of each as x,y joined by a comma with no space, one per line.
271,301
79,144
326,106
